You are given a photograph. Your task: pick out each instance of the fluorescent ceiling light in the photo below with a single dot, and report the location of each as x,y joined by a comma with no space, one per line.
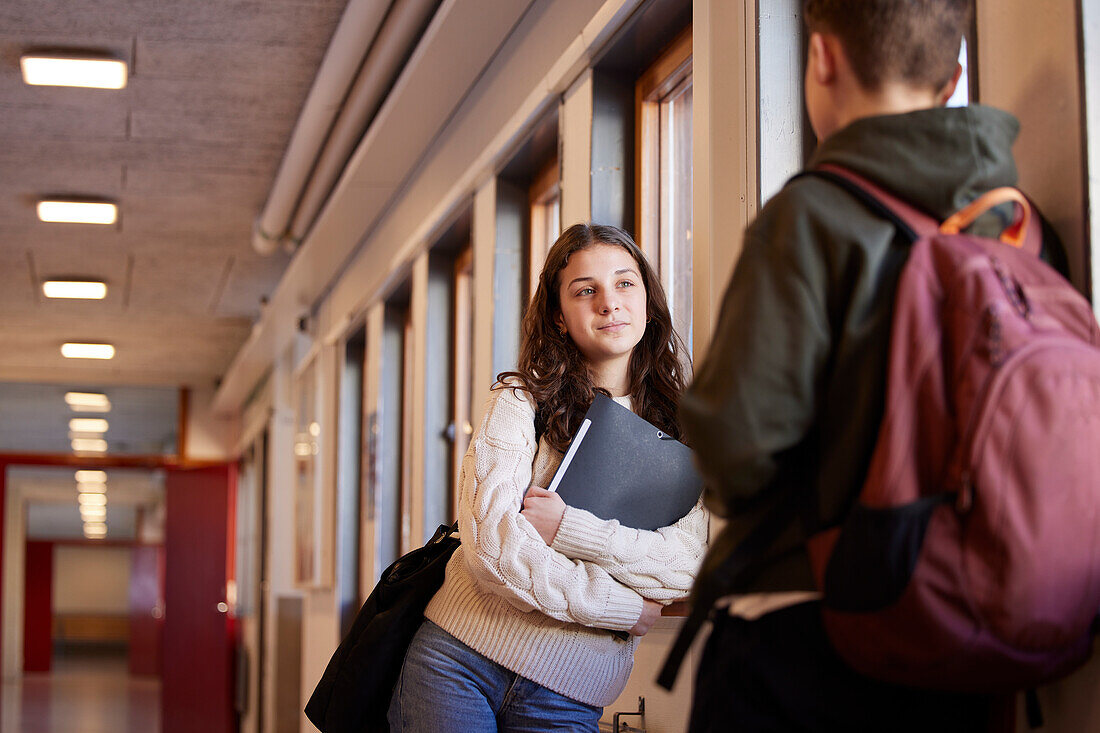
95,530
91,477
61,71
89,445
91,499
78,212
88,351
88,425
91,513
87,402
87,290
92,488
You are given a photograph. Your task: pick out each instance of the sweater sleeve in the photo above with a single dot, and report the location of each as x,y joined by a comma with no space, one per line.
660,564
503,551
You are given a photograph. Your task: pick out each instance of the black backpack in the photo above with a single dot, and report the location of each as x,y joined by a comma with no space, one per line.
354,693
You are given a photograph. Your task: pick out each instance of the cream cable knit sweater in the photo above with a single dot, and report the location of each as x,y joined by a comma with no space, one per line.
543,612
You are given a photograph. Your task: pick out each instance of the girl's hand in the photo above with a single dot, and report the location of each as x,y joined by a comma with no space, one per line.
651,611
544,510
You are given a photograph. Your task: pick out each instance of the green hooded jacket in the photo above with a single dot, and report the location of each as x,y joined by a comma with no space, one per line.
786,406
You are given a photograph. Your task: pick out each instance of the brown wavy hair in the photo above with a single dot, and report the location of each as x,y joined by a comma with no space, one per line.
553,371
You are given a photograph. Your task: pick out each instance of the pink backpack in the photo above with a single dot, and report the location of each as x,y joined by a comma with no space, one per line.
971,561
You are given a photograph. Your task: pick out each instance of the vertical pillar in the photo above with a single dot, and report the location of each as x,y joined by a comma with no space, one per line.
724,156
483,236
576,151
418,313
1029,64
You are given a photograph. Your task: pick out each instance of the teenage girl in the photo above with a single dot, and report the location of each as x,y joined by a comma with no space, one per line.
520,636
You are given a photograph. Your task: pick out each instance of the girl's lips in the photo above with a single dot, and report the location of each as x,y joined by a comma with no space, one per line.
616,326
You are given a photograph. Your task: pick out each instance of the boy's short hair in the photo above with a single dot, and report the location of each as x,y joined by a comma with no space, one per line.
913,41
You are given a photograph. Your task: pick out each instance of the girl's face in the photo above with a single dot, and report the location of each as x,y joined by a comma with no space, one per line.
603,304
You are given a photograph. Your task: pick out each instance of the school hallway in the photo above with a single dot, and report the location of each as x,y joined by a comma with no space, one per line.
94,694
258,282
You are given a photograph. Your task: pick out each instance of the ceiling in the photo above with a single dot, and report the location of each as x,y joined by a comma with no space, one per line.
34,418
188,149
52,513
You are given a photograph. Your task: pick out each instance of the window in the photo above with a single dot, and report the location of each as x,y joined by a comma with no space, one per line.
962,95
390,442
348,477
306,474
545,220
664,97
441,360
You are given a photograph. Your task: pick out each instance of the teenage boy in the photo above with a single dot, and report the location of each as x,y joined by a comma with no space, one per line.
787,404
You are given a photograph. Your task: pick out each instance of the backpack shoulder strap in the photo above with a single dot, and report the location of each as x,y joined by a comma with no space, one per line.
910,220
1027,231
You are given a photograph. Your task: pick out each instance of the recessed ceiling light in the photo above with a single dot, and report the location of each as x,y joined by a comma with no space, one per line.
77,212
88,425
88,351
91,477
72,71
86,290
91,499
87,402
89,445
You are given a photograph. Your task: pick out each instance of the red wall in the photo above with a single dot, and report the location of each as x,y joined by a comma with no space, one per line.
38,607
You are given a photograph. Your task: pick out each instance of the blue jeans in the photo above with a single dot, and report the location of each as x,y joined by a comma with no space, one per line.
447,687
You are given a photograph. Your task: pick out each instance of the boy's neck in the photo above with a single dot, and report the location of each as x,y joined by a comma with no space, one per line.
890,99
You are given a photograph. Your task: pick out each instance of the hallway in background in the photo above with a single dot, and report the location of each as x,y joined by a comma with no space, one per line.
86,693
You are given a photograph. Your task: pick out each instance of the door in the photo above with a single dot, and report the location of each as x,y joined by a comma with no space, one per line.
198,643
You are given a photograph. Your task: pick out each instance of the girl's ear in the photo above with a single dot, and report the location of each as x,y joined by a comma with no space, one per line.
560,322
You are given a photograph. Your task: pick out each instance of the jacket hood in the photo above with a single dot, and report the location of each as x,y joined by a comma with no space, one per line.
937,159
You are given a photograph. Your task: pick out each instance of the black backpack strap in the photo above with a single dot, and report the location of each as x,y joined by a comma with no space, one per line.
736,570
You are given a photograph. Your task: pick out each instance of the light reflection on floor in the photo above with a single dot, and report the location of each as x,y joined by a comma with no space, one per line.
81,695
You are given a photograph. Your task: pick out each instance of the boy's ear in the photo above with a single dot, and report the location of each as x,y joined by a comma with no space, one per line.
949,88
821,61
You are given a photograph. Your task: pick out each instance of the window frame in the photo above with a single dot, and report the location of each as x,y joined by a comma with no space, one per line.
664,79
544,206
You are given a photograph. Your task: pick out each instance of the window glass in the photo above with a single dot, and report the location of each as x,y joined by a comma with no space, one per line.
545,194
664,95
676,205
961,97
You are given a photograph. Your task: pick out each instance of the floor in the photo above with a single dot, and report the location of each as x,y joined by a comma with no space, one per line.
81,695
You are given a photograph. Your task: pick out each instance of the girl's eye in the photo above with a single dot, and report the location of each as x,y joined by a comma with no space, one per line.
585,291
626,284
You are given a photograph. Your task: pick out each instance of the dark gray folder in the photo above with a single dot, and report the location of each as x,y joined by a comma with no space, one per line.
621,467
